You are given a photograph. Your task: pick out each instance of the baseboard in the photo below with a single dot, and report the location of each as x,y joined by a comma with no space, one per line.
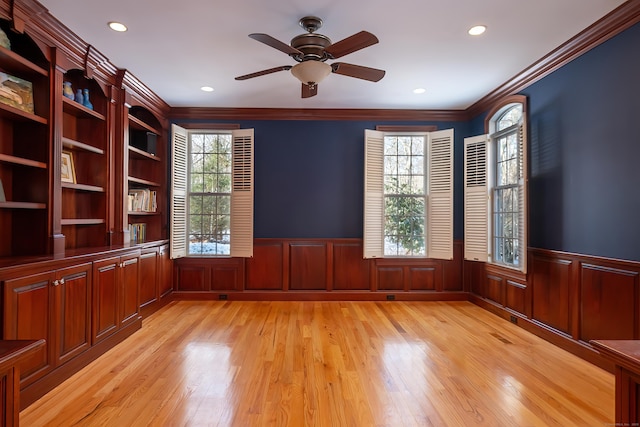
321,296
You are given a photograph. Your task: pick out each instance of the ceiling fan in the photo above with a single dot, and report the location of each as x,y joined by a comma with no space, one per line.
311,50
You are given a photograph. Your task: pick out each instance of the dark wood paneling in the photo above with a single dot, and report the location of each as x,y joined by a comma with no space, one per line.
550,283
422,278
452,277
609,303
105,298
191,277
515,296
149,278
494,289
350,270
308,266
390,278
227,275
129,290
265,270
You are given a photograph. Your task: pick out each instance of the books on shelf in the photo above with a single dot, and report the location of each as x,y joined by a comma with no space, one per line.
142,200
138,232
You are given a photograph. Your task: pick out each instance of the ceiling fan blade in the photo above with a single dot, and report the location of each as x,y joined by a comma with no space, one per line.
264,72
357,71
351,44
309,91
276,44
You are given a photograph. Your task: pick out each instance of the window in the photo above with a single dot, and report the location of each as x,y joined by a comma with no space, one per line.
212,192
408,209
209,193
495,189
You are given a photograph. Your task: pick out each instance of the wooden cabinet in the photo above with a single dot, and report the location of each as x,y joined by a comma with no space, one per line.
24,148
149,275
53,306
115,295
166,271
85,186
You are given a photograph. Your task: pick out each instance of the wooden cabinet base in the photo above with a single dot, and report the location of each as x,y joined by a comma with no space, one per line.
11,354
39,388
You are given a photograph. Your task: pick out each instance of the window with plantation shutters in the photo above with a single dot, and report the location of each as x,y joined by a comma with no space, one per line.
408,194
495,200
212,201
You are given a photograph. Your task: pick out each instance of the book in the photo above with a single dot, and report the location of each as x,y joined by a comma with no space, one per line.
2,196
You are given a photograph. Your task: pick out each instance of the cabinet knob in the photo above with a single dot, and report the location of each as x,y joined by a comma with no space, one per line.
62,281
56,283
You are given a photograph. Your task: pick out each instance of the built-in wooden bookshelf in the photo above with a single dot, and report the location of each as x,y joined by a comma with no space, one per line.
24,149
146,171
85,209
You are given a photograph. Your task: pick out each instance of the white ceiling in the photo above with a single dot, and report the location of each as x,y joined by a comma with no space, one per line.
175,47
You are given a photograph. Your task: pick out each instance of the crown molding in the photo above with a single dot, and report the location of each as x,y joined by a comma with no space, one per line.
612,24
204,113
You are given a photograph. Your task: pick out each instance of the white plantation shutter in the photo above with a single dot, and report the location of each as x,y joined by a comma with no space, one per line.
179,140
440,197
476,198
522,198
373,235
242,194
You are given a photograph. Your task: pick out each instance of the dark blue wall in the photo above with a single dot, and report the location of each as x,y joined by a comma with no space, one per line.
585,153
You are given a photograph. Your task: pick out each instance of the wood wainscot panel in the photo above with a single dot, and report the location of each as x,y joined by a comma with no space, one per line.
474,277
452,269
191,276
494,289
551,291
609,306
515,296
423,278
350,270
227,274
389,278
266,270
308,266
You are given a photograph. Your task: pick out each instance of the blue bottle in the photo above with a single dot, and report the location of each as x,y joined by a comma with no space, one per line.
86,102
79,97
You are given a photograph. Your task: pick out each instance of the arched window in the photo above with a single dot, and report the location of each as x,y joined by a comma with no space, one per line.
495,188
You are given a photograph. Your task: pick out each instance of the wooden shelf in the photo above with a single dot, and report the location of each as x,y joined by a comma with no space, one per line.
136,123
83,187
17,114
82,221
70,143
142,213
22,205
22,161
143,181
79,110
143,154
15,64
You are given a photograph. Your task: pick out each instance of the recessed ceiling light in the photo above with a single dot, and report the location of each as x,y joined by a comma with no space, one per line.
419,90
477,30
117,26
206,89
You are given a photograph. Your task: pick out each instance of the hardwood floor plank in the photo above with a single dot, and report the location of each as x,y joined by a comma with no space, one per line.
223,363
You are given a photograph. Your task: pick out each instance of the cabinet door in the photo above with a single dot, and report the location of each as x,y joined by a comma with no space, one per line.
129,287
26,317
72,311
105,298
148,278
166,271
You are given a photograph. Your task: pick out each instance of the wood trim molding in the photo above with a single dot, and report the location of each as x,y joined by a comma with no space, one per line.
623,17
205,113
209,126
400,128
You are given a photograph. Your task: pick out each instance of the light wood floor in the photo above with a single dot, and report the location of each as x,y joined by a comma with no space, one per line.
330,364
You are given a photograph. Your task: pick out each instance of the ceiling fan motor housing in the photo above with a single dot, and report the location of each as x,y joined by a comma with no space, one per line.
312,46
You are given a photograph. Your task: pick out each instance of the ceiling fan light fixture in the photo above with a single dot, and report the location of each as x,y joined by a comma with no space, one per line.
311,72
